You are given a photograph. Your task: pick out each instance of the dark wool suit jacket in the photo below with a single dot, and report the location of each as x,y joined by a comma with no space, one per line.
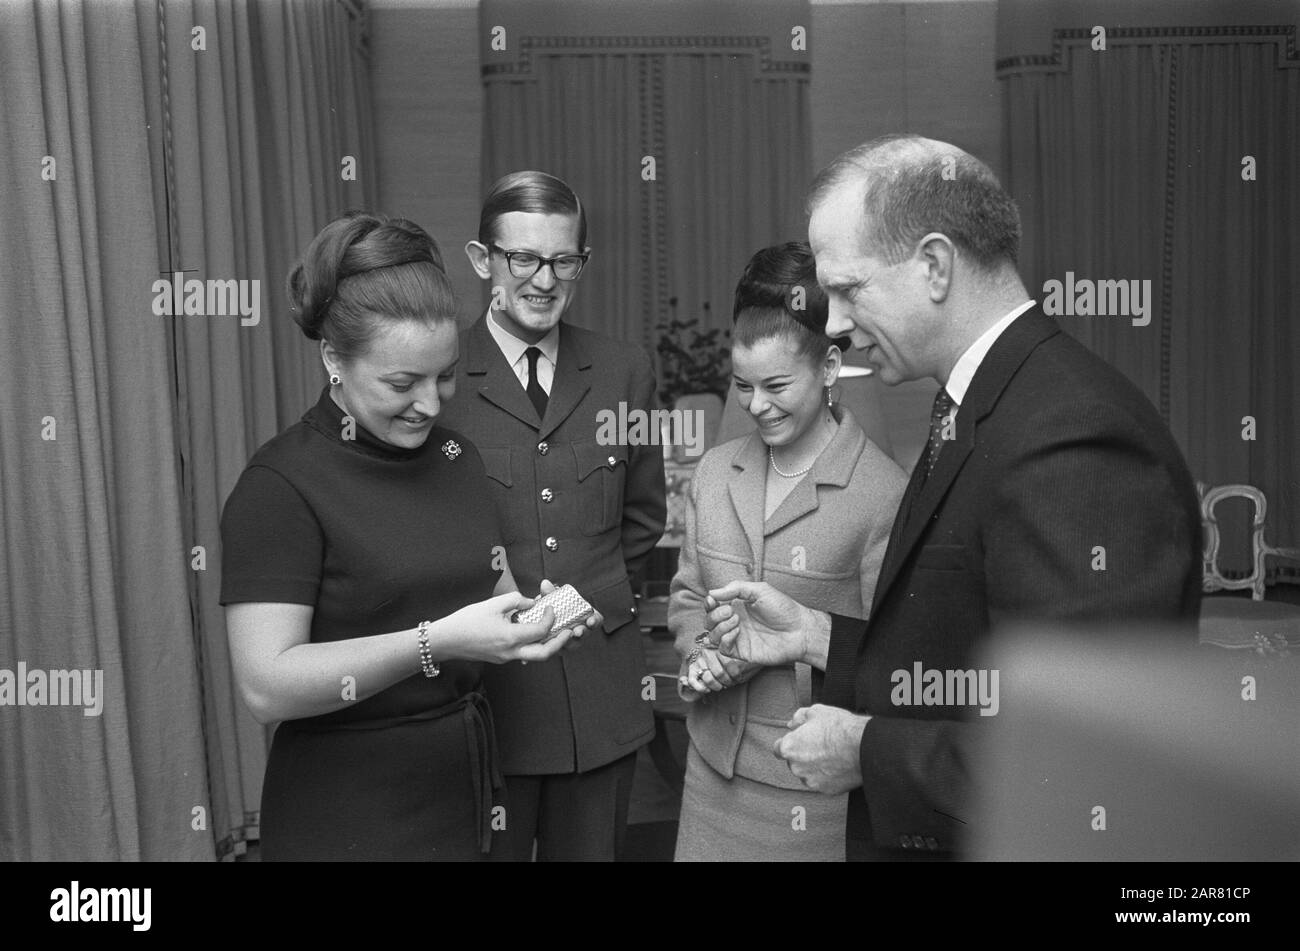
576,512
1055,453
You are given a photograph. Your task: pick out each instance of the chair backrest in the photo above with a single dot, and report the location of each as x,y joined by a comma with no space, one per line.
1213,579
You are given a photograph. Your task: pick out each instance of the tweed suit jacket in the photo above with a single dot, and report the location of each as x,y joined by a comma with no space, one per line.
822,546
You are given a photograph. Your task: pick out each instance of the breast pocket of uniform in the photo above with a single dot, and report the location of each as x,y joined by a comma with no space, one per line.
601,471
496,463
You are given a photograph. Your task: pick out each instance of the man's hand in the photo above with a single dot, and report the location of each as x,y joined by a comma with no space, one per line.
762,625
822,748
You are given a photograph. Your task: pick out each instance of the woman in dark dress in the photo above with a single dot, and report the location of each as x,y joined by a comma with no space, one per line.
362,579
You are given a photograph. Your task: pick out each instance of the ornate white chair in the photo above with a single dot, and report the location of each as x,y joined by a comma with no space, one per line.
1267,626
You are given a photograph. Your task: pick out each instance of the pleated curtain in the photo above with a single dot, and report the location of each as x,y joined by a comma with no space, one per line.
1171,158
689,151
217,154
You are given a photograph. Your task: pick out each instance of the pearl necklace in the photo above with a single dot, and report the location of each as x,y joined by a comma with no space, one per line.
771,456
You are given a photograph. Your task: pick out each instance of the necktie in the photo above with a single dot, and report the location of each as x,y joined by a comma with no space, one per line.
534,388
943,405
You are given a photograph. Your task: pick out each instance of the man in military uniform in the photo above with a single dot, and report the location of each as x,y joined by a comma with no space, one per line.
528,390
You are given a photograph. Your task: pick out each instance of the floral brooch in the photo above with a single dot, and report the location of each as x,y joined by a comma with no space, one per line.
452,449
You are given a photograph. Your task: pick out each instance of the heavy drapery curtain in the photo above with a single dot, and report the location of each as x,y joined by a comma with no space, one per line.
221,162
1127,163
259,134
724,117
94,571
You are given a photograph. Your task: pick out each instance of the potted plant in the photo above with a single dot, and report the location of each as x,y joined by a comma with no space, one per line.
692,360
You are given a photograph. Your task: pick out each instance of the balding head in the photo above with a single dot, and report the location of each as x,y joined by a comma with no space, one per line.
913,186
915,244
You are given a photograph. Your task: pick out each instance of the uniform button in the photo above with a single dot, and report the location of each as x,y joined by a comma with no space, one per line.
931,843
552,544
543,448
634,610
547,495
905,841
918,842
612,460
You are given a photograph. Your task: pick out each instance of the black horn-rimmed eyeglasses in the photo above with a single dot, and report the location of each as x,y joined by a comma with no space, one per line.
524,264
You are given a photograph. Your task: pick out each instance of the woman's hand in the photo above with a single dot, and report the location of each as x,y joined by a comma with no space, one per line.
488,634
596,620
705,670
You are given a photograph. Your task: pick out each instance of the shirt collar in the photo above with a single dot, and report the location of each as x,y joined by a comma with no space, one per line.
963,371
513,348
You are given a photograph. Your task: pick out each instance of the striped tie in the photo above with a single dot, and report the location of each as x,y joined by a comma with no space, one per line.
943,405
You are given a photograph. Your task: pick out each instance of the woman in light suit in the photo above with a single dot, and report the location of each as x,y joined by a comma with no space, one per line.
805,503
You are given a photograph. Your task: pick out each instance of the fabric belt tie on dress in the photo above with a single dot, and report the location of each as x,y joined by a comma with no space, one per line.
484,770
480,739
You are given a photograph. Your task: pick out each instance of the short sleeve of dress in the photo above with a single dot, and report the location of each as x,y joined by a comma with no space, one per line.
272,547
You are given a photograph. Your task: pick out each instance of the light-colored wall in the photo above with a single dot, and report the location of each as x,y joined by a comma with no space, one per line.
428,99
877,68
905,67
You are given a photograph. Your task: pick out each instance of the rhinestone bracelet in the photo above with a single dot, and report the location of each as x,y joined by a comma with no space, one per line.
426,655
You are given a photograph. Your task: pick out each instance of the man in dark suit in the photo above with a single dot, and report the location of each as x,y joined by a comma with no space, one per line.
576,510
1049,489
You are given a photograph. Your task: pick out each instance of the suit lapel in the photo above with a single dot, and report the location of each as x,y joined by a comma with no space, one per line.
486,367
569,385
887,569
746,490
995,371
833,467
801,500
923,499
